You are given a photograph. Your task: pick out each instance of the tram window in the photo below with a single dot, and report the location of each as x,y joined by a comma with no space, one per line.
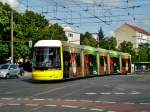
47,57
123,63
101,60
78,59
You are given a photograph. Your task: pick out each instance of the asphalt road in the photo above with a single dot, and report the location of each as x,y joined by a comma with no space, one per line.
115,93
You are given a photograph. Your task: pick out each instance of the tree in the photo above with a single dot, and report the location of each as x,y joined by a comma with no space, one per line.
100,37
128,48
4,51
113,43
144,52
21,50
87,39
54,32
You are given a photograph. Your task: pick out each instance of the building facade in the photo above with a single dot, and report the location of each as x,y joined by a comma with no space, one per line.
133,34
72,35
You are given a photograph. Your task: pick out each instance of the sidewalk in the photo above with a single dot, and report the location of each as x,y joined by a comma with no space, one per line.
140,73
27,74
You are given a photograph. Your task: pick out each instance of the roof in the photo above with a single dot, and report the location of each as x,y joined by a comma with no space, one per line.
48,43
140,30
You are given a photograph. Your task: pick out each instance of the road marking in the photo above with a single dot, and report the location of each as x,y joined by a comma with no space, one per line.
38,99
50,105
128,103
111,111
83,108
105,93
31,104
108,102
96,109
120,88
13,104
69,106
135,93
107,85
7,98
19,99
70,100
98,101
90,93
119,93
145,103
85,100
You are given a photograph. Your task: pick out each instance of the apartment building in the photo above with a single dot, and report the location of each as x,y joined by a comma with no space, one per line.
72,35
133,34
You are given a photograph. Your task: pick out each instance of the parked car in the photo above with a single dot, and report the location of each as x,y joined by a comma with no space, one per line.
9,70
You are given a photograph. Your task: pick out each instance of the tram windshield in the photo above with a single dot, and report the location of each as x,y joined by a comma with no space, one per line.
47,57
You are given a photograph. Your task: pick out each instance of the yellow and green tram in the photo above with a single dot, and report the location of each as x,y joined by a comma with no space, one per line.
58,60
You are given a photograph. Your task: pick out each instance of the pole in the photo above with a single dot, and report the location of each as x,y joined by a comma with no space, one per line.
12,37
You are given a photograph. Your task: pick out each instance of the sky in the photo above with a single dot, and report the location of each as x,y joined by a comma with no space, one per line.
90,15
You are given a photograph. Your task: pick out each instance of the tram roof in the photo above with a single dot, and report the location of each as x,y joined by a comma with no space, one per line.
48,43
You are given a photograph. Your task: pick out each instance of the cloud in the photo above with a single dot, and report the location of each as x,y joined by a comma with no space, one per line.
14,4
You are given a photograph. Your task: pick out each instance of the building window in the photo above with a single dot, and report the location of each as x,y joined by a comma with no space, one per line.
70,35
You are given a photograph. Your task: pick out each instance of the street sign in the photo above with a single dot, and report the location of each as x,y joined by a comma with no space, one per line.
30,43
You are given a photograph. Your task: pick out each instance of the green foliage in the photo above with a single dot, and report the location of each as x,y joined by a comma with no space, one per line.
87,39
144,53
21,50
54,32
4,50
128,48
100,38
27,26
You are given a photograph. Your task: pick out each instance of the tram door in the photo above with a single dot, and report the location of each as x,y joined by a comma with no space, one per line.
90,64
103,65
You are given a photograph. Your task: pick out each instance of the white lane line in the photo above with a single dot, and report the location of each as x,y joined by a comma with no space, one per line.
135,93
85,101
13,104
31,104
145,103
119,93
98,101
105,93
7,98
90,93
128,103
96,109
70,100
38,99
18,99
69,106
108,102
111,111
120,88
83,108
50,105
107,85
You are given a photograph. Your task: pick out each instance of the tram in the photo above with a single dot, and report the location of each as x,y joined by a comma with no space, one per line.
58,60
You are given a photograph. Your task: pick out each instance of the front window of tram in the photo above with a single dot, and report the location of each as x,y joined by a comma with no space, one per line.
47,57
